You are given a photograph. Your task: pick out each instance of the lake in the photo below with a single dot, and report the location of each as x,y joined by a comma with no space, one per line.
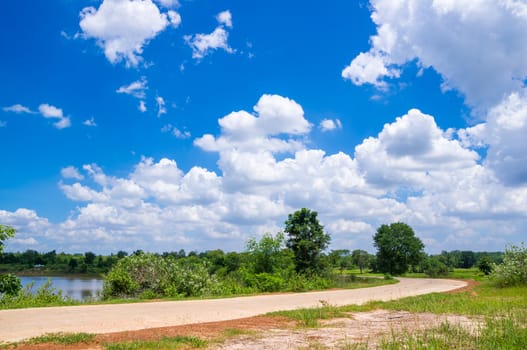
77,288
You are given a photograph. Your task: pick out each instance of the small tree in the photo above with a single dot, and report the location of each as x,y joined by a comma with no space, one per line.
398,248
485,264
307,240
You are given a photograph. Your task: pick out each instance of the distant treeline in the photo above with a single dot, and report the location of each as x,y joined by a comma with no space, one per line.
217,261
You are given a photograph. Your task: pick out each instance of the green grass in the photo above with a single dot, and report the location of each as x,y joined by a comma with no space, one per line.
178,342
309,317
62,338
483,300
503,312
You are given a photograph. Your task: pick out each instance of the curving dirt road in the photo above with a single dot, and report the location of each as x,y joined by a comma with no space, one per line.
16,325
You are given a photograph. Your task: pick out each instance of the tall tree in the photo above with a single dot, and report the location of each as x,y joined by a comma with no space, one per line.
307,240
398,248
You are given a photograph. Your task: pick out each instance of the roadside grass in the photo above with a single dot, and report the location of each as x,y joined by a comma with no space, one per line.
179,342
62,338
502,311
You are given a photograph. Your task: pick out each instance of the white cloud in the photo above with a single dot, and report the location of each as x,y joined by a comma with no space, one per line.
225,18
412,152
18,108
274,115
124,27
161,108
70,172
89,122
478,47
142,106
175,18
330,124
52,112
203,44
136,89
411,171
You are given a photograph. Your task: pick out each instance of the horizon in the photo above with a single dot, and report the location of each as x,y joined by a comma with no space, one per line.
163,125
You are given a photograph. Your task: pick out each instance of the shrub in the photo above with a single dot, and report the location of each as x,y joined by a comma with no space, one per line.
513,270
10,284
435,268
269,283
149,275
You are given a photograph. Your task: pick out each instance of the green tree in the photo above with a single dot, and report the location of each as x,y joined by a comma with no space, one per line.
269,254
398,248
485,264
307,240
360,258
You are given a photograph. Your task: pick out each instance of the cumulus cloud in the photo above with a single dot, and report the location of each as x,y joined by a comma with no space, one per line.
202,44
485,69
142,106
124,27
410,152
330,125
411,171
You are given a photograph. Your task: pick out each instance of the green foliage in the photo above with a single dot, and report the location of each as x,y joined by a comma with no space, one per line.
434,267
485,265
269,255
45,295
5,233
397,248
148,275
361,259
307,240
513,270
10,284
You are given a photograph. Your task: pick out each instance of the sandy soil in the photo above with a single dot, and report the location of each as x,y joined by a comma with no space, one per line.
21,324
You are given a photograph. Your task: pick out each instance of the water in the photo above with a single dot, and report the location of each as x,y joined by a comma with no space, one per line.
73,287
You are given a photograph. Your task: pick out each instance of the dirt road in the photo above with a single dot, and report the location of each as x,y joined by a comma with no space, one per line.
21,324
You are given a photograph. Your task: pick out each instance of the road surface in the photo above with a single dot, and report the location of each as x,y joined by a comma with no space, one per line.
16,325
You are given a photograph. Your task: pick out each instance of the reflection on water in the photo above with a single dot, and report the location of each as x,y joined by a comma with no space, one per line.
73,287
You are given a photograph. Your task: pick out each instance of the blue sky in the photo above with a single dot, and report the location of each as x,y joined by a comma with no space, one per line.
165,124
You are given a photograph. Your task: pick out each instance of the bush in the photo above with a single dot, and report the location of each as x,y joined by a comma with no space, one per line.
513,270
149,276
269,283
435,268
10,284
